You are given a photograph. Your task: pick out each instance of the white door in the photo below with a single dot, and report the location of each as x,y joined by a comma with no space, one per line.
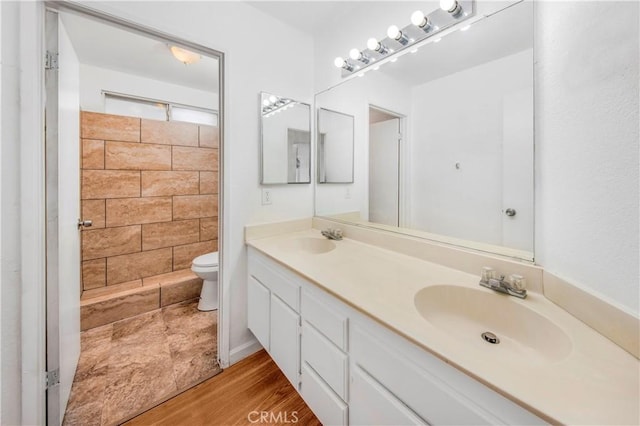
384,182
63,211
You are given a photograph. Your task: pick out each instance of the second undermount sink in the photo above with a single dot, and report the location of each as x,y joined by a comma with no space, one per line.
309,245
513,328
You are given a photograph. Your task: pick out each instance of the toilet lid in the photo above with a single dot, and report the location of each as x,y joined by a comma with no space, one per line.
209,259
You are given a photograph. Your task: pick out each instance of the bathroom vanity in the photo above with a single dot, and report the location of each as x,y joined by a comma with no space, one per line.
371,336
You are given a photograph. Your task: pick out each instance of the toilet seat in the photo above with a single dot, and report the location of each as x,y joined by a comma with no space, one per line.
206,260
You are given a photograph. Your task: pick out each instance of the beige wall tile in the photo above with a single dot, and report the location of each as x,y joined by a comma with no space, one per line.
194,206
132,211
111,290
138,265
94,273
110,184
94,211
208,182
107,242
185,158
95,125
169,183
167,234
169,132
209,136
181,291
98,311
184,255
208,228
92,154
135,156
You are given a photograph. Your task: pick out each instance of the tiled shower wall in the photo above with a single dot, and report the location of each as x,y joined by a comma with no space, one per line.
151,189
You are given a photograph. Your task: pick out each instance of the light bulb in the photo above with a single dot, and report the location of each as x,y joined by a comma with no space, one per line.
338,62
273,99
372,44
355,54
394,32
451,6
265,102
417,18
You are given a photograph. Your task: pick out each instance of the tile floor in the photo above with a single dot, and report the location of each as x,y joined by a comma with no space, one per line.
131,365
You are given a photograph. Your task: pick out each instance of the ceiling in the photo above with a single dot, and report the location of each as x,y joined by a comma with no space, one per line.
307,16
109,47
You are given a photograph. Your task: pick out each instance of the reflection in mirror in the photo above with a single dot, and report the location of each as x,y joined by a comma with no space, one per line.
335,147
286,140
444,139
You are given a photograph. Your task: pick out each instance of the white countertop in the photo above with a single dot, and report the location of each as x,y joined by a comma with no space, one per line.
596,383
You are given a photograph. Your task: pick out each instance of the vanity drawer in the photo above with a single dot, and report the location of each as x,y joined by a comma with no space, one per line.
327,360
332,324
275,280
325,404
422,392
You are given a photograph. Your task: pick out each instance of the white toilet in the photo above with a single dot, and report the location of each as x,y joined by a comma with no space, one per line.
206,267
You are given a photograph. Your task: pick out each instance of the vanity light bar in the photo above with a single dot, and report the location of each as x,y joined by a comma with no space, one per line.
275,104
451,12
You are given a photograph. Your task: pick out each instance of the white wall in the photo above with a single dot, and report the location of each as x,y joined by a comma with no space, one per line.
10,218
587,132
467,202
93,80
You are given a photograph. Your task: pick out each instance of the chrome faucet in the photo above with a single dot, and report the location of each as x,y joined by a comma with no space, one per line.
332,234
515,286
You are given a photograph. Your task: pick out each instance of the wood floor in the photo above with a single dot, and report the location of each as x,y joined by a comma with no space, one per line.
253,391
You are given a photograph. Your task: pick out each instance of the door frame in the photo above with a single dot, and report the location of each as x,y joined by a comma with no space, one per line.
33,202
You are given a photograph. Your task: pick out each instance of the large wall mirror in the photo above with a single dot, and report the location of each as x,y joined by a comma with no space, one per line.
285,140
443,139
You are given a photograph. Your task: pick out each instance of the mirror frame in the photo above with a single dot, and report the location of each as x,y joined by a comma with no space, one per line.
262,148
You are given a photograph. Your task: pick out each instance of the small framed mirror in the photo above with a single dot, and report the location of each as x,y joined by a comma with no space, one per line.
285,140
335,146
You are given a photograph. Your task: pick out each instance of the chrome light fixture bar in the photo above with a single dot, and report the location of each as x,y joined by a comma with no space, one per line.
422,26
275,104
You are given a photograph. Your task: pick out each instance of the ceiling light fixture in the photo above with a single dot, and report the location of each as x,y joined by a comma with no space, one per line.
185,56
409,38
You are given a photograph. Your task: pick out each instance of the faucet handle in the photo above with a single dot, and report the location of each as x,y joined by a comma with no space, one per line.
518,282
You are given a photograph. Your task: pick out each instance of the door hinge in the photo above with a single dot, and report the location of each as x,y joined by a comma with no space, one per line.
52,378
51,61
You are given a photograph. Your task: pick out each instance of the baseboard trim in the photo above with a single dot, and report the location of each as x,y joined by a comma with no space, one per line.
241,352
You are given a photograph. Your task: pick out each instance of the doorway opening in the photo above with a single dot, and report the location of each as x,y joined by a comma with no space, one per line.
385,160
134,144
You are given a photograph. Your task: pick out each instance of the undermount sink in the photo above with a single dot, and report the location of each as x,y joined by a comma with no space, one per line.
467,313
309,245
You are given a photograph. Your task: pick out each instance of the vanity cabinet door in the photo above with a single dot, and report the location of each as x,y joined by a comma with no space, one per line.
371,404
285,339
258,304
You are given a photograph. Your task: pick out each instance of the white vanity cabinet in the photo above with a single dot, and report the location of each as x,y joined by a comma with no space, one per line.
273,305
356,371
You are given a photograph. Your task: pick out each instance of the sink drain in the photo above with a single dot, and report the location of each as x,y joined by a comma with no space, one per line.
490,337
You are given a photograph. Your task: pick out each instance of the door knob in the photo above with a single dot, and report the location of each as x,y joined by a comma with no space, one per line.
510,212
84,223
